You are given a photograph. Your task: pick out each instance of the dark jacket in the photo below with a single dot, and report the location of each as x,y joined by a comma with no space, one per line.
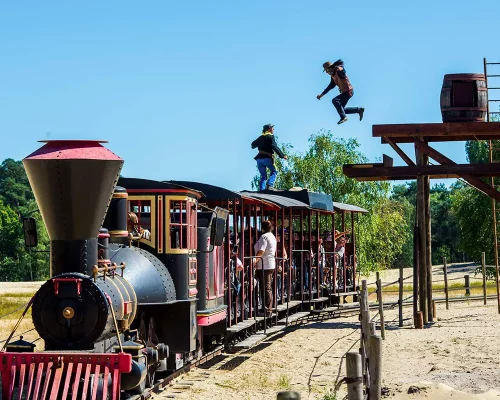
341,80
266,143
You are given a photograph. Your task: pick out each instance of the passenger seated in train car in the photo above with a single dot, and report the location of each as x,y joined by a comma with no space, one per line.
135,230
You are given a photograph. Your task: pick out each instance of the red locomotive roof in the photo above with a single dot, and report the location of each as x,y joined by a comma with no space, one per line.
73,150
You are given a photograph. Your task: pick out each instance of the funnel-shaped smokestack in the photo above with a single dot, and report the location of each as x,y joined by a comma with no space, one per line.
73,183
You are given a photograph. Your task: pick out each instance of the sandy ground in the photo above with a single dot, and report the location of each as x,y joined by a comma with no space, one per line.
457,357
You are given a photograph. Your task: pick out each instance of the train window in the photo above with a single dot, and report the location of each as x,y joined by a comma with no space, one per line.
140,220
183,222
178,224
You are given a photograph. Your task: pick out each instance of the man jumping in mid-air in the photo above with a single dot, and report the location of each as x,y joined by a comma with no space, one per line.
340,79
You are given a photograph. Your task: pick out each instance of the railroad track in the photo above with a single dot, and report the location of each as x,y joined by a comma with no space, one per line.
162,383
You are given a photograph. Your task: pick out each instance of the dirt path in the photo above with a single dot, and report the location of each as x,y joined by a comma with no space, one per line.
459,351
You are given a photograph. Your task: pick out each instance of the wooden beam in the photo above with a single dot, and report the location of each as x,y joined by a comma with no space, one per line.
447,170
472,180
438,132
400,152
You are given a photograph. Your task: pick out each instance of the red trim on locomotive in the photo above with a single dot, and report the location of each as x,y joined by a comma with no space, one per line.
164,191
206,320
56,282
160,224
193,292
73,150
36,364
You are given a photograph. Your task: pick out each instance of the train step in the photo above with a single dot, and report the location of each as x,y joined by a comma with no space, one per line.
272,330
294,317
250,341
241,325
291,304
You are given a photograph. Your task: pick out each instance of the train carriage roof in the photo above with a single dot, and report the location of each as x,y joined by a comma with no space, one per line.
150,186
276,199
348,207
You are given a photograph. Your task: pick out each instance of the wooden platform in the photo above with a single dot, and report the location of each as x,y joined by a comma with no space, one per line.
438,132
363,172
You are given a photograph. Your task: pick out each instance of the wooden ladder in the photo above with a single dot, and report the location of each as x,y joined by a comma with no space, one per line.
494,149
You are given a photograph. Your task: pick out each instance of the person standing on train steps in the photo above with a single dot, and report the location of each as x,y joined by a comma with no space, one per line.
267,146
339,78
265,263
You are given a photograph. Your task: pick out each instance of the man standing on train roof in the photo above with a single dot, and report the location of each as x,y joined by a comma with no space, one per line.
266,143
339,78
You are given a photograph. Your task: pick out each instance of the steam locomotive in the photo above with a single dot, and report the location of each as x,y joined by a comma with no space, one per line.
113,314
144,276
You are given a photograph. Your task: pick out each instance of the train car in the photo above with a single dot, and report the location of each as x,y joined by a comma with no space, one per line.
147,275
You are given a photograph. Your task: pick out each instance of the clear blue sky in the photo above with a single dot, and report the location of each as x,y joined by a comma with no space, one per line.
180,89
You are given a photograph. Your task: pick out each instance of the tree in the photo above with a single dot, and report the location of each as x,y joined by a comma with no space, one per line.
17,200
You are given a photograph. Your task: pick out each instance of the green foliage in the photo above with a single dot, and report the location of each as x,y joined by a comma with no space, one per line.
382,235
472,210
16,201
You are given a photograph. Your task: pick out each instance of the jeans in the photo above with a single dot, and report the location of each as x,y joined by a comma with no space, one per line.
262,165
340,101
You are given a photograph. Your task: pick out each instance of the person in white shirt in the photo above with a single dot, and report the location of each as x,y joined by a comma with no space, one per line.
265,262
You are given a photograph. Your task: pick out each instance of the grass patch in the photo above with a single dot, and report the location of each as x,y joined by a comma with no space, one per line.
10,302
284,382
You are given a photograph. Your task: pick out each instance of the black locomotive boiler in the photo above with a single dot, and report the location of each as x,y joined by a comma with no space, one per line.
120,304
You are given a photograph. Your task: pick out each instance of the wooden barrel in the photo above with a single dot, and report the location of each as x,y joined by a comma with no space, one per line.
464,97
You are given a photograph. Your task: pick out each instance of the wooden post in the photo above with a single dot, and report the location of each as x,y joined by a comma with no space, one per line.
415,271
483,266
354,376
422,238
428,235
362,332
445,272
400,301
467,285
364,299
434,310
381,308
375,367
420,321
373,328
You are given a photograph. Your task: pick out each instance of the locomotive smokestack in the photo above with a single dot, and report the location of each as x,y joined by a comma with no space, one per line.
73,181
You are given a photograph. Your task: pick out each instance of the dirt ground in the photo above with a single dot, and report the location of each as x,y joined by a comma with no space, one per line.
457,357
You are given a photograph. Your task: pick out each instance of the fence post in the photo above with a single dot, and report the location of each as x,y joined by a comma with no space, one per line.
375,366
373,328
420,320
445,271
434,310
362,323
400,301
483,266
354,376
467,285
380,307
